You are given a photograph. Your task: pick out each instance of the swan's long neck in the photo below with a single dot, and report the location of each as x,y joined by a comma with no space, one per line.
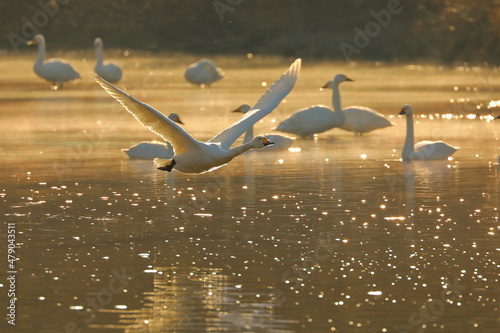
233,152
409,146
41,55
99,55
337,106
248,135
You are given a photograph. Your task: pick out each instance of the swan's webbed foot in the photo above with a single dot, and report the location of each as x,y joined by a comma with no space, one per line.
167,167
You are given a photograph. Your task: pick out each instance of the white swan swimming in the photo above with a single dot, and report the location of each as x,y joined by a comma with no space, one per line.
54,70
318,118
110,71
193,156
281,142
149,150
424,150
203,72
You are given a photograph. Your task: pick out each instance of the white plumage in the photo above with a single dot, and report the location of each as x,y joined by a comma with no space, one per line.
110,71
281,142
424,150
55,70
318,118
191,155
149,150
360,120
203,72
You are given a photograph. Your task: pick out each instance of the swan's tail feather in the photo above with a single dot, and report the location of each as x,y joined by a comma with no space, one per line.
164,164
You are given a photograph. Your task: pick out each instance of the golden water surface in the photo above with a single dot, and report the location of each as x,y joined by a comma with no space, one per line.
337,235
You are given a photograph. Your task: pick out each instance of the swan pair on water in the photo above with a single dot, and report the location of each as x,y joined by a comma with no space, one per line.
58,71
319,118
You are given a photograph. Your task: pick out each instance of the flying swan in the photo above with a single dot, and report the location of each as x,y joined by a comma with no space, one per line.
191,155
281,142
148,150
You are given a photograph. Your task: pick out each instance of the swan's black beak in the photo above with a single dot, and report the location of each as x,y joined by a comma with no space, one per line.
497,117
402,112
349,79
238,109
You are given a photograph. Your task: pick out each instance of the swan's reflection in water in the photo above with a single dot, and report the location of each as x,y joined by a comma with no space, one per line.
202,300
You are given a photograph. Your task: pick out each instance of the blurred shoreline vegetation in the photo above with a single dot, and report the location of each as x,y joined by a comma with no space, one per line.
440,31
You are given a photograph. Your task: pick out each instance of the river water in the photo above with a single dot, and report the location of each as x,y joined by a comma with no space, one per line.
336,235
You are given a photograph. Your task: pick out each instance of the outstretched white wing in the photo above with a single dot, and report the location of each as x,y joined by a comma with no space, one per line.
265,105
152,119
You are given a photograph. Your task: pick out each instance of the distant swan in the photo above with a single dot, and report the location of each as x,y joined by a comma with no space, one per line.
424,150
54,70
318,118
203,72
193,156
281,142
110,71
149,150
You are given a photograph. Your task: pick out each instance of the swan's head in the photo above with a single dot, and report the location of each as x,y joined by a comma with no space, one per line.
336,80
97,42
38,39
242,108
406,109
175,117
261,142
